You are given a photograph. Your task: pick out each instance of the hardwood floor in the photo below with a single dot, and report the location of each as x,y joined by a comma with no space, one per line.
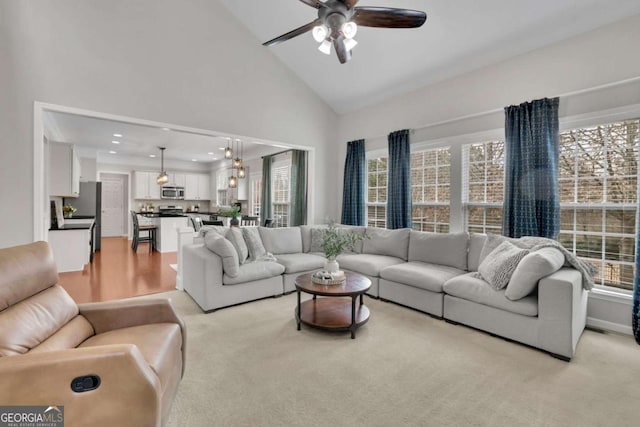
118,272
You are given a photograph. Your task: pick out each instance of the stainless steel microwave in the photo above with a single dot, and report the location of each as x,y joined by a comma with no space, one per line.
172,192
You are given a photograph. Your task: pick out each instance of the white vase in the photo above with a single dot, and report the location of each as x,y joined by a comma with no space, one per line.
331,265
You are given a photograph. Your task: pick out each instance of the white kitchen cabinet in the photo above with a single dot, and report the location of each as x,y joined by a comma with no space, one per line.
176,179
71,248
197,187
145,186
64,165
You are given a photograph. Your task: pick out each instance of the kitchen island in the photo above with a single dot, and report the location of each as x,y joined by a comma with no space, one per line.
168,226
71,245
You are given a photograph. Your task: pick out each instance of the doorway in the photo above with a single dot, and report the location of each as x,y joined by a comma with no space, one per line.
114,204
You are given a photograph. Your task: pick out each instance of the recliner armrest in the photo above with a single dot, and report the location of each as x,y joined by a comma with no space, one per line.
110,315
129,393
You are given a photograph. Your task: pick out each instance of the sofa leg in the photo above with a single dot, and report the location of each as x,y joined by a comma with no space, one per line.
451,321
563,358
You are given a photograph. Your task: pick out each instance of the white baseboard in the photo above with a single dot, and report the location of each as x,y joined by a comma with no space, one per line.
609,326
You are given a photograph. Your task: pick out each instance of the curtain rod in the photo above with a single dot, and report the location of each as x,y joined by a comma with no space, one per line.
278,153
497,110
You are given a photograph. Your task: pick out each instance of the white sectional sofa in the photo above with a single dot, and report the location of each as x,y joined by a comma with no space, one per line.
431,272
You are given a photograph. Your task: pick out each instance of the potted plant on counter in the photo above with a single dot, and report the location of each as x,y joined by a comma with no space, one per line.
234,214
68,211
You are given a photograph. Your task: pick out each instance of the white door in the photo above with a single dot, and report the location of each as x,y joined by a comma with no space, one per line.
113,204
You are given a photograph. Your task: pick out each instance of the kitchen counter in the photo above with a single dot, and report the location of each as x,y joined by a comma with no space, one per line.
160,215
73,227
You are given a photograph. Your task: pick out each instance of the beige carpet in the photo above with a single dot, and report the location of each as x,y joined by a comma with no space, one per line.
248,366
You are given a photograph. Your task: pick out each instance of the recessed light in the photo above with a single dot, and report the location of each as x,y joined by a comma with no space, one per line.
112,152
117,135
211,154
115,142
152,155
214,158
194,160
166,129
221,148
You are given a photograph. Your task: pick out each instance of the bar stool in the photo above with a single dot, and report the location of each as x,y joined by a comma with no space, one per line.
138,229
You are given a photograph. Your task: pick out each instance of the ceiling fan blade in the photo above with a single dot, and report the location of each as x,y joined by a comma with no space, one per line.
344,55
313,3
292,34
388,17
349,3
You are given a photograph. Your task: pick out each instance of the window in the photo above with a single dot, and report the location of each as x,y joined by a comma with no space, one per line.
598,169
483,186
377,192
255,182
430,185
222,192
598,196
280,190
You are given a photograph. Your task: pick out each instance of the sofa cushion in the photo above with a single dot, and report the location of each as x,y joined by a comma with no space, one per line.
393,243
448,249
498,267
371,265
476,243
472,288
254,243
205,229
420,274
305,232
237,240
282,240
297,263
69,336
360,231
224,249
317,237
159,343
26,324
255,270
531,269
315,245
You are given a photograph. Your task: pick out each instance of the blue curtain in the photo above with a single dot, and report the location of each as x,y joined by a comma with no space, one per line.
531,195
265,202
355,171
635,315
399,181
298,188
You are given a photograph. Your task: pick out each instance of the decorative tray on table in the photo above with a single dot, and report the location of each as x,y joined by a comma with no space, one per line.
326,278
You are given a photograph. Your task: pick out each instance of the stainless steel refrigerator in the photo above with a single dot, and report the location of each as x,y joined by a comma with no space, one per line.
89,204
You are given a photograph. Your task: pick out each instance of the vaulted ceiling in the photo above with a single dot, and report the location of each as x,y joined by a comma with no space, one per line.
459,36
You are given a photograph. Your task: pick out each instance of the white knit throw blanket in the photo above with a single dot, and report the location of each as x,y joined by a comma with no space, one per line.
534,243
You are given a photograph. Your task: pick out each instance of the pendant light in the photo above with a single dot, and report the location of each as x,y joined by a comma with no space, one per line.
237,162
163,178
228,152
241,172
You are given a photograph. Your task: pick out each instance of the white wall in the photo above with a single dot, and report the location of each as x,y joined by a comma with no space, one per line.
185,63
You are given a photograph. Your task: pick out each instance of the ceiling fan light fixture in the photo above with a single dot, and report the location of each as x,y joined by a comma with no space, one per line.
349,29
350,44
325,47
320,33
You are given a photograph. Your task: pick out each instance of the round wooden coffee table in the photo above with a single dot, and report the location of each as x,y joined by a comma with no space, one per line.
335,314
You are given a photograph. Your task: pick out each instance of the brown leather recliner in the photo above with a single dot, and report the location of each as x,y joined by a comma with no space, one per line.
133,351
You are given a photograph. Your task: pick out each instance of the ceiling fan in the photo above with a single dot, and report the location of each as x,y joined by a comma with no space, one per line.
338,22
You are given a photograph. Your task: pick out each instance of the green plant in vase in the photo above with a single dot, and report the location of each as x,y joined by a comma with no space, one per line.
68,211
233,213
334,242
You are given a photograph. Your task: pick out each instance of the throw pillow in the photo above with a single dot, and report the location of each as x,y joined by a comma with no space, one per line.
237,240
316,240
212,228
498,267
225,250
531,269
254,243
491,242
